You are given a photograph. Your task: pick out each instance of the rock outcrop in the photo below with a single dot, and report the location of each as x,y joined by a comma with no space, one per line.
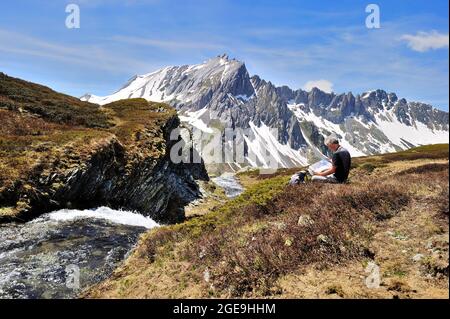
124,166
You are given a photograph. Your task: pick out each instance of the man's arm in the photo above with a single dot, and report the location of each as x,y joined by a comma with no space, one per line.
326,172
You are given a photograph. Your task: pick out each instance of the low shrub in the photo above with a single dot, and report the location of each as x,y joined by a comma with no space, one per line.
443,201
425,169
155,241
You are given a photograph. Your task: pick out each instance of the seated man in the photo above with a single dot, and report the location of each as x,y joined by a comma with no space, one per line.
341,162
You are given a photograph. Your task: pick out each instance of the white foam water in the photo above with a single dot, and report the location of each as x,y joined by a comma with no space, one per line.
115,216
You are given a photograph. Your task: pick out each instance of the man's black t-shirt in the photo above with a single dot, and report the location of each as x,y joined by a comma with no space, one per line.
342,161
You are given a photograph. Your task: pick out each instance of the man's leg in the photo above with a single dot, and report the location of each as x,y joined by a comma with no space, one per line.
324,179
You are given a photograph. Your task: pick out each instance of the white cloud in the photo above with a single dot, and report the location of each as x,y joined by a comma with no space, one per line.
323,85
93,57
425,41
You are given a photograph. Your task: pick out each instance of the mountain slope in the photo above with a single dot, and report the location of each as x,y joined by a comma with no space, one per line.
272,243
225,95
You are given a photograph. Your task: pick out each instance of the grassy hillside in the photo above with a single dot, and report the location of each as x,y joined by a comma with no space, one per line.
23,96
306,241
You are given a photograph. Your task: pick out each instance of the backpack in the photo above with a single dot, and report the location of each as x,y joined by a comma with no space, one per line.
300,178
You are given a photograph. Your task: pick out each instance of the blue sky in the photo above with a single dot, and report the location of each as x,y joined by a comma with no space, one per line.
286,42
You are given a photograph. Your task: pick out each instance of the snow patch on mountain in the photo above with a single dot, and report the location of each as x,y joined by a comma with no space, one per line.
264,149
195,119
324,126
416,134
175,84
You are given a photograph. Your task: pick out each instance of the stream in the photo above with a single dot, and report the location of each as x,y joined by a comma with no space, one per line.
59,254
229,183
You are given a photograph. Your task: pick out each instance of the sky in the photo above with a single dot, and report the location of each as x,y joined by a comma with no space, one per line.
297,43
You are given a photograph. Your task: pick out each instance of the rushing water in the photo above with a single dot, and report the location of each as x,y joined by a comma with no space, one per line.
60,253
230,184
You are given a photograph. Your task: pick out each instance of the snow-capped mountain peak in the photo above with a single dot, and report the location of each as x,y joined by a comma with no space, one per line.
188,83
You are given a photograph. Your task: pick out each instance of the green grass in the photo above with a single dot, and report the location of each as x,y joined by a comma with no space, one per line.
259,194
253,239
250,242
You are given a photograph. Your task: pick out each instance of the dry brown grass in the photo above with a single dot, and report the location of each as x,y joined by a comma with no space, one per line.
19,95
428,152
16,124
426,169
305,241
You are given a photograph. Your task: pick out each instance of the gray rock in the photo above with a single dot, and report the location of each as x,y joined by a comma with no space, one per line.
323,239
305,220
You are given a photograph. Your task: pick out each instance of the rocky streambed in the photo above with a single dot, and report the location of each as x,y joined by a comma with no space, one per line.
59,254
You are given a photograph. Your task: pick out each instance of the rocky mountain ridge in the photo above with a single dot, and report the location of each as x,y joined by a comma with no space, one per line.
370,123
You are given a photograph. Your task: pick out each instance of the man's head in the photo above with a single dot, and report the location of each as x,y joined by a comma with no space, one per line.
332,143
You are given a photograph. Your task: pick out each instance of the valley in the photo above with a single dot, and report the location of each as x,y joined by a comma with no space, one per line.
94,186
